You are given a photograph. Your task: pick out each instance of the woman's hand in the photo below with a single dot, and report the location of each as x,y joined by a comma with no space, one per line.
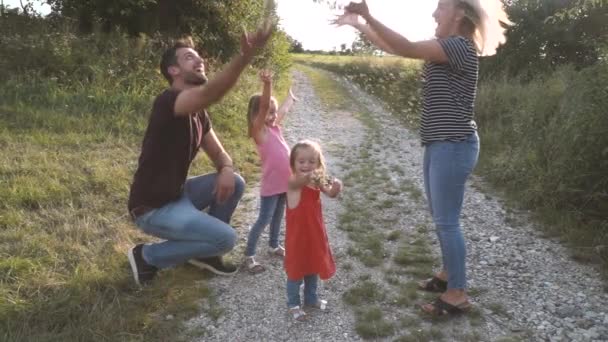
358,8
348,18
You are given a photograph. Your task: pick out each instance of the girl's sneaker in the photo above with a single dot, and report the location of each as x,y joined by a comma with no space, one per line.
279,251
253,266
298,314
320,305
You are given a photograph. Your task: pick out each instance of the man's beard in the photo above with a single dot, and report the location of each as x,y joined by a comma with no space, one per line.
195,79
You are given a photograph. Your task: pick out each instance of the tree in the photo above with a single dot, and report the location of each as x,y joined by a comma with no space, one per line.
362,46
217,24
548,33
294,45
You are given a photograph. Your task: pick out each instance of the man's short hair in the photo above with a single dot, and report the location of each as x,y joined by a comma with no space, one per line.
170,57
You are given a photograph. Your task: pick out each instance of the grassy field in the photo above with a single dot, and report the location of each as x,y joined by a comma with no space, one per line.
343,60
543,141
69,150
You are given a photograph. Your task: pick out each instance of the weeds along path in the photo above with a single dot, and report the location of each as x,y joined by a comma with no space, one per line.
524,286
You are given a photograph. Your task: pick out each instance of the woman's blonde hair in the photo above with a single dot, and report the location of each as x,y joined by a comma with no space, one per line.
487,20
307,144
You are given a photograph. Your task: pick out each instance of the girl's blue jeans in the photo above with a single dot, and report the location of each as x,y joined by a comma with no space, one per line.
272,210
310,291
447,165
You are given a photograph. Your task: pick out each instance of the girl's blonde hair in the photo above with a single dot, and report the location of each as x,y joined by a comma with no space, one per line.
307,144
485,19
252,110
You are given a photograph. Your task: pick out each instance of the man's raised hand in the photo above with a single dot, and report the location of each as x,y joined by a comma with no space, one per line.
253,41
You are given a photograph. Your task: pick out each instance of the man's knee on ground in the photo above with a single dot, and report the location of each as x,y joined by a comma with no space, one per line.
227,241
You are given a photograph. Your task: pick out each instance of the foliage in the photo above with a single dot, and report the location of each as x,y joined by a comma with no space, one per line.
216,25
549,33
549,137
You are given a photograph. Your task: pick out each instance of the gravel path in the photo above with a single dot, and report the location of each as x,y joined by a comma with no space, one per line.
524,286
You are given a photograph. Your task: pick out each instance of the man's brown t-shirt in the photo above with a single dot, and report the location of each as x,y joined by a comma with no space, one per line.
170,144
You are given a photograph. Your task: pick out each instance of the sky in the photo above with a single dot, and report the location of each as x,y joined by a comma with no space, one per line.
308,22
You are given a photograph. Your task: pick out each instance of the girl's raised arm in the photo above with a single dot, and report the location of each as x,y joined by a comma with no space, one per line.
285,106
260,118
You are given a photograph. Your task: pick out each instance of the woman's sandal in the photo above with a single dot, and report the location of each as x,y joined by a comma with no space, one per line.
433,285
298,314
253,266
442,308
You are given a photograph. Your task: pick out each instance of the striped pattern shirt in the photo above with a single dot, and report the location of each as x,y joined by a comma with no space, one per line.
449,93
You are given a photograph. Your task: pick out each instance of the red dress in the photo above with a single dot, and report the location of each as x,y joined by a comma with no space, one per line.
306,246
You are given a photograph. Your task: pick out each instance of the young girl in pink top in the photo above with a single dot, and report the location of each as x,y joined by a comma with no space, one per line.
264,118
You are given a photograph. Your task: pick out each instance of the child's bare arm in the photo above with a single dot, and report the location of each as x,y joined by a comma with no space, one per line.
296,182
333,190
285,106
260,118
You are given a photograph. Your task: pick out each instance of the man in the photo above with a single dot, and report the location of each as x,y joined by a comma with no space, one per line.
162,202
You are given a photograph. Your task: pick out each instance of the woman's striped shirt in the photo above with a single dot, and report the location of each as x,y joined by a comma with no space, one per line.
449,93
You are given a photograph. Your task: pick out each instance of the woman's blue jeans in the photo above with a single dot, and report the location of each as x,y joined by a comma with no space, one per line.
272,210
447,165
190,232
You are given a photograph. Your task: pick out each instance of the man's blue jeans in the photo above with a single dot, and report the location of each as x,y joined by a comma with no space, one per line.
447,165
272,210
189,232
311,282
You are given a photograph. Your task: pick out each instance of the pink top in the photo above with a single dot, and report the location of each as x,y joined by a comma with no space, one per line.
274,153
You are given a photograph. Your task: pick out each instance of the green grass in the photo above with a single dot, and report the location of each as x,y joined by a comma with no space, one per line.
498,309
345,60
422,335
333,96
394,235
410,255
363,293
371,324
407,294
69,151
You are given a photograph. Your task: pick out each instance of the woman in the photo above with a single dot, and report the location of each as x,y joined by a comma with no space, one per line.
465,30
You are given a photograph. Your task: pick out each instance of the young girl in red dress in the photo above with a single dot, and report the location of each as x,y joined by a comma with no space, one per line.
307,253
